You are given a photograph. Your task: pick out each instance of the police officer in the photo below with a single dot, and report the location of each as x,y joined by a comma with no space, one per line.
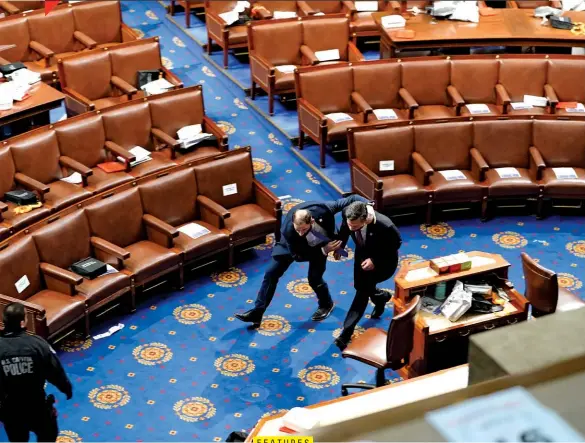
26,362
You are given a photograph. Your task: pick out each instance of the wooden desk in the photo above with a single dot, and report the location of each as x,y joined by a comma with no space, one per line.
438,342
508,27
42,99
365,403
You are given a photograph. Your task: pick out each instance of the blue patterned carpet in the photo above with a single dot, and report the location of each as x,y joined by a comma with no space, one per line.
183,369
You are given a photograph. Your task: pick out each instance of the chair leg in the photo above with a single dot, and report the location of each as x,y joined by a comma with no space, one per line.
253,90
380,378
231,258
484,209
188,15
225,56
301,140
429,213
209,43
181,277
539,205
270,102
346,386
133,298
172,8
87,333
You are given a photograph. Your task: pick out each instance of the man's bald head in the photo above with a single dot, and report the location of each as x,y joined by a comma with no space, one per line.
302,220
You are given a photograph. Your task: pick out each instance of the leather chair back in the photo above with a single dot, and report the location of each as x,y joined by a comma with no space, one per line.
55,30
326,7
427,89
129,58
372,147
565,76
89,74
102,21
523,77
14,31
278,5
83,139
16,261
334,98
220,6
7,171
28,150
542,287
64,241
433,141
279,43
171,112
561,143
475,79
27,5
378,84
504,143
327,33
129,125
212,176
172,198
401,335
117,219
529,4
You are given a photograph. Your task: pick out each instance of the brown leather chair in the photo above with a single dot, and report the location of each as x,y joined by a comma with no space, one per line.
264,10
218,31
439,149
187,5
249,211
119,219
173,200
174,110
473,81
384,350
326,7
362,22
38,159
67,241
393,188
50,298
563,82
543,291
519,77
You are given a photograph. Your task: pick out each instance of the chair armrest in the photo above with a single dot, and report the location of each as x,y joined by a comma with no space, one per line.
349,6
422,169
3,208
84,39
123,86
503,97
9,8
172,78
211,127
309,54
38,325
537,163
353,53
478,165
32,184
264,13
43,51
109,248
3,61
118,151
456,98
552,98
305,8
261,68
79,97
409,100
166,139
161,227
212,212
265,198
52,272
74,165
362,104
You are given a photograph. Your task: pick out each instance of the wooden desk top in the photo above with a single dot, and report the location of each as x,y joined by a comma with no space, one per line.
505,24
41,95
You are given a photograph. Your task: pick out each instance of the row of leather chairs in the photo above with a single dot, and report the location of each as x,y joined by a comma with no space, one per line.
298,40
406,165
104,77
431,88
39,159
135,229
42,39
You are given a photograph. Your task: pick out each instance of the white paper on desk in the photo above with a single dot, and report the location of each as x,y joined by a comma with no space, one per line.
393,21
385,114
230,17
25,76
534,100
573,5
327,55
520,105
284,14
565,173
157,87
466,11
110,331
509,415
478,108
142,155
366,6
508,172
453,174
338,117
193,230
5,97
578,108
241,6
74,178
419,274
478,261
286,69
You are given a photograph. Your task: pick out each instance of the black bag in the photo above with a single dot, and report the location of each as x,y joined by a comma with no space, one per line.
11,67
145,77
21,197
561,22
89,268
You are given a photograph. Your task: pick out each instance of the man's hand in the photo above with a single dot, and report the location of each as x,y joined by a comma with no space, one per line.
368,265
332,246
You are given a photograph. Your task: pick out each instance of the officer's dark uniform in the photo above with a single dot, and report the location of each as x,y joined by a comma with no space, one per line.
26,362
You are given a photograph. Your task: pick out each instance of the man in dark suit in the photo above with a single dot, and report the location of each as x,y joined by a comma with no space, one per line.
376,258
308,234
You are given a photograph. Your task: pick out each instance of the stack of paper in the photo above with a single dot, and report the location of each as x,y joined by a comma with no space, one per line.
534,100
327,55
74,178
193,230
508,172
385,114
366,6
142,155
191,135
25,76
286,69
520,105
284,14
157,87
478,109
393,21
565,173
338,117
578,108
230,17
466,11
241,6
453,174
5,97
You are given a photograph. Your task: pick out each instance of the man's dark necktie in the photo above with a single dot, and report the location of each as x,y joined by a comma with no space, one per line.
359,238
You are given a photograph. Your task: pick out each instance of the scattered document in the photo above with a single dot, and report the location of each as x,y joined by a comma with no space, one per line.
74,179
578,108
230,17
327,55
393,21
573,5
516,106
535,100
286,69
478,108
385,114
366,6
509,415
157,87
420,274
284,14
25,76
453,174
565,173
478,261
241,6
142,155
338,117
508,172
193,230
110,270
109,332
466,11
191,135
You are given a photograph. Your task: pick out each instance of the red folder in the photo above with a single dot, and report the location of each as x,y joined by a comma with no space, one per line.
112,167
